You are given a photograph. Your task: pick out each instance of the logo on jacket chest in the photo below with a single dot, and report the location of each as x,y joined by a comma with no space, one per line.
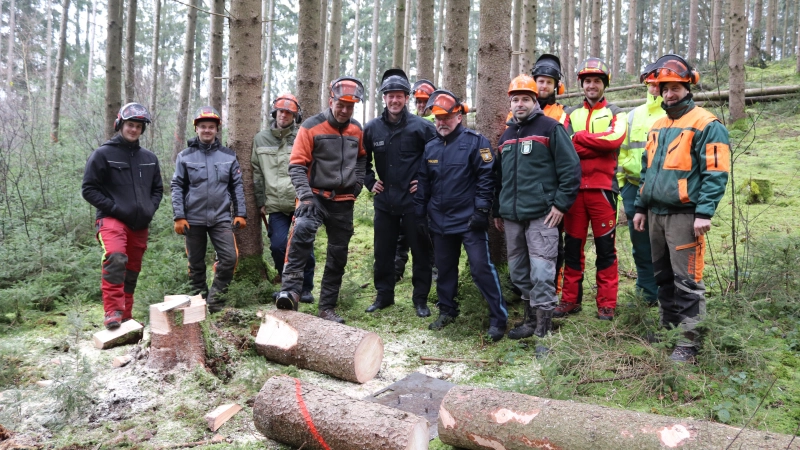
527,146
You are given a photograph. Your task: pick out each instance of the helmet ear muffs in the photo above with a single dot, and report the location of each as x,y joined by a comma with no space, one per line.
117,124
560,90
274,113
298,118
695,76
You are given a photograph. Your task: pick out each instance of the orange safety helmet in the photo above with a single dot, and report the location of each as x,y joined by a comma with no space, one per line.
422,89
206,113
523,83
594,67
287,102
671,67
347,89
443,102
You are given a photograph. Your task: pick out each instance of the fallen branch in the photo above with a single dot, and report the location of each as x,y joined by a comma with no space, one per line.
427,359
214,440
604,380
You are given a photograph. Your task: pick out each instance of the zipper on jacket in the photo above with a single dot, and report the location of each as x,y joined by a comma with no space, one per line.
341,160
680,138
516,166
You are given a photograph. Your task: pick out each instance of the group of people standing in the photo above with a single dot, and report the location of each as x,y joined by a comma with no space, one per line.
438,186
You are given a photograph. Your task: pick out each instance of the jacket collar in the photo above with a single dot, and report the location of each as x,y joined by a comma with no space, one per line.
546,101
514,122
453,135
333,122
679,109
196,143
280,133
118,141
403,118
653,102
599,105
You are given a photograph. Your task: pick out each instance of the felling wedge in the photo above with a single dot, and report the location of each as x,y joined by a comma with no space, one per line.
479,418
308,342
303,415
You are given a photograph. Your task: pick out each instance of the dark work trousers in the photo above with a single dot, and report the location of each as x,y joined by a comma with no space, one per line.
278,233
559,281
401,254
387,228
678,261
338,220
123,249
224,243
484,274
640,242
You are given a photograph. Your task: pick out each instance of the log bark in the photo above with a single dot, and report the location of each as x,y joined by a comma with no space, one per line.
343,423
62,46
425,39
113,89
308,342
179,143
130,50
373,60
309,66
456,47
154,66
399,33
630,65
479,418
527,45
440,40
215,56
738,30
516,19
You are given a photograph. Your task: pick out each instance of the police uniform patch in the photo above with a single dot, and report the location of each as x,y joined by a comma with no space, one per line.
527,146
486,154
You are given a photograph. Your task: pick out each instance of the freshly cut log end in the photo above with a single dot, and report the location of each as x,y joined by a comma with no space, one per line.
129,332
184,345
308,342
343,423
478,418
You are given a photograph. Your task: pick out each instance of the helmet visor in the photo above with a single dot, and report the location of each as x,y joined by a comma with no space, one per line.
285,104
670,68
594,65
347,90
443,102
422,90
136,112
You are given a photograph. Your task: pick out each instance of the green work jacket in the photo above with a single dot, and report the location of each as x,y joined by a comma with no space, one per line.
270,160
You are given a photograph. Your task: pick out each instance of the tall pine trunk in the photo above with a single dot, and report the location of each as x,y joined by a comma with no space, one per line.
12,13
154,66
551,40
334,40
582,30
756,31
516,21
113,90
407,35
48,79
630,51
456,47
244,98
564,50
92,44
569,64
130,50
373,60
716,32
691,53
494,56
610,44
62,47
797,33
356,43
437,63
738,23
309,66
528,40
772,9
399,33
425,39
597,28
186,80
617,37
267,102
215,55
663,25
323,40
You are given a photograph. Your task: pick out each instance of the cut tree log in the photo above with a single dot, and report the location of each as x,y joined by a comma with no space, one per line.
175,335
308,342
303,415
221,414
129,332
479,418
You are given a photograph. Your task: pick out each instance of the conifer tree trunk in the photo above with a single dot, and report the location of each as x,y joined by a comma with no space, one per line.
738,23
356,46
528,40
630,51
662,26
244,99
373,60
716,31
494,55
323,40
672,41
610,44
62,47
456,48
425,39
48,79
756,30
154,66
564,44
581,30
399,33
797,32
437,64
516,21
597,26
12,12
113,90
267,60
130,50
551,28
186,80
407,35
691,53
334,40
92,36
569,67
309,66
772,9
215,55
617,38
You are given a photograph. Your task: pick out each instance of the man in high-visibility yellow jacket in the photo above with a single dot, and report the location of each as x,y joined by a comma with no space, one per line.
629,168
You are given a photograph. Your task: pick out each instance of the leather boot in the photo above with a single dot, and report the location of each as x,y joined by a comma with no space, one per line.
528,326
544,322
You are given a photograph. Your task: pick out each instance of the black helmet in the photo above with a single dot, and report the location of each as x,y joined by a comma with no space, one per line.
395,80
134,112
547,65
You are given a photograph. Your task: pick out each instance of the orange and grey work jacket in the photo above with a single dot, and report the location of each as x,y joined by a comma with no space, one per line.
328,158
598,132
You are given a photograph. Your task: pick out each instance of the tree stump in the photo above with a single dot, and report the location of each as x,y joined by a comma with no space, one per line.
476,418
302,415
175,335
308,342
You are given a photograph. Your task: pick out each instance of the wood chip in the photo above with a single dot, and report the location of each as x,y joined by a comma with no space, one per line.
121,361
219,416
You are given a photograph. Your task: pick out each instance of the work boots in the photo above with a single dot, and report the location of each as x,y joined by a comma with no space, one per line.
287,300
528,326
544,322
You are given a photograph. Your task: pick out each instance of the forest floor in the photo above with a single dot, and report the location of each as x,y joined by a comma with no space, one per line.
748,372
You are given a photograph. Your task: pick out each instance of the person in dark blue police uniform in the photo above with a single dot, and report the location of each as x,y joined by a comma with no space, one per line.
455,190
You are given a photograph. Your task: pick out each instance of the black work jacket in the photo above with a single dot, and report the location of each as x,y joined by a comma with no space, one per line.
396,149
123,180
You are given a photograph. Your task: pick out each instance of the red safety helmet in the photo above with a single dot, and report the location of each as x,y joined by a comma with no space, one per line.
422,89
287,102
347,89
207,113
135,112
443,102
594,67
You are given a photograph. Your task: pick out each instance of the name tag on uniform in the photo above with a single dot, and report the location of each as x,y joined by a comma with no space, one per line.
433,161
527,146
486,154
378,144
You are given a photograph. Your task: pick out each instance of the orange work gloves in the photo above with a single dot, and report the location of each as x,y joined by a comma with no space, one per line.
239,222
181,226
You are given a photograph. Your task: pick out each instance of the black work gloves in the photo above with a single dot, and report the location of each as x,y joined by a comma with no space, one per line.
479,220
306,208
